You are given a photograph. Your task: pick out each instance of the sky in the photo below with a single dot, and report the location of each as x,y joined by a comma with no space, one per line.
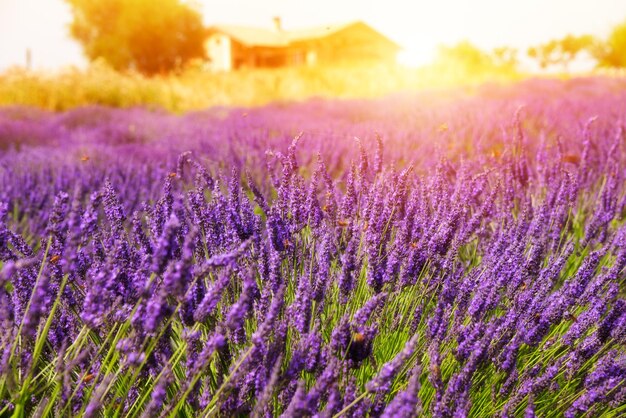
417,25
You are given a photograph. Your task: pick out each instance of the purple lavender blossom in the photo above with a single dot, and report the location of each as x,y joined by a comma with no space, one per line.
488,243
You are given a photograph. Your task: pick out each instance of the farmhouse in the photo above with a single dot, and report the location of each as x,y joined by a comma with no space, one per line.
232,47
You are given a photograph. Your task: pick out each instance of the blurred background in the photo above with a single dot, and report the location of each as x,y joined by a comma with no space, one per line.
182,55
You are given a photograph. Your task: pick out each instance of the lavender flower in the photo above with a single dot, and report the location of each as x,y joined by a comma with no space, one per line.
495,254
406,403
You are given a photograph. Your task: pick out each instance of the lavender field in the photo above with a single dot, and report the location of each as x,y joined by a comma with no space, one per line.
444,255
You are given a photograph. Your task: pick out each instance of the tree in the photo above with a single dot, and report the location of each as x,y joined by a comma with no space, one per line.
544,54
145,35
612,53
505,57
466,57
560,51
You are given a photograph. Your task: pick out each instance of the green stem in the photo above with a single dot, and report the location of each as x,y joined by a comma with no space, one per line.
347,408
209,408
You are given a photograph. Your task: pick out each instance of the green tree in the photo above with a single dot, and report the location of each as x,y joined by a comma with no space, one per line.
505,57
466,57
560,51
543,54
145,35
612,53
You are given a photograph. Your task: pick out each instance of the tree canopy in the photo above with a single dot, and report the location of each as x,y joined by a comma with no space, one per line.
560,51
466,57
144,35
612,53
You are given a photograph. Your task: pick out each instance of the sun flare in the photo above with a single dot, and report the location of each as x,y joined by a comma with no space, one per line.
415,57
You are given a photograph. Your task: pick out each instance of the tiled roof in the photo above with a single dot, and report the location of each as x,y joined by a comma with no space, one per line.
266,37
252,36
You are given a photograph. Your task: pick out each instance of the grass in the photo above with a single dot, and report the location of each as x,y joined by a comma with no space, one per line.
197,89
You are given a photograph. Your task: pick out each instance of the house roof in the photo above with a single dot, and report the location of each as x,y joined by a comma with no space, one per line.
251,36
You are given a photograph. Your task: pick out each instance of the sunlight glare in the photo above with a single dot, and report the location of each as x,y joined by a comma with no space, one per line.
415,56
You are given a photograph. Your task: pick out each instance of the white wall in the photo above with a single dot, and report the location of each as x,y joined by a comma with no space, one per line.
219,52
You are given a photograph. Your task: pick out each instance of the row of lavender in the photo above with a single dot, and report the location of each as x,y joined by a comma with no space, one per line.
461,256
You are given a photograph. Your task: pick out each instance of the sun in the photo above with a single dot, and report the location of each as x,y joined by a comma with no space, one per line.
415,56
